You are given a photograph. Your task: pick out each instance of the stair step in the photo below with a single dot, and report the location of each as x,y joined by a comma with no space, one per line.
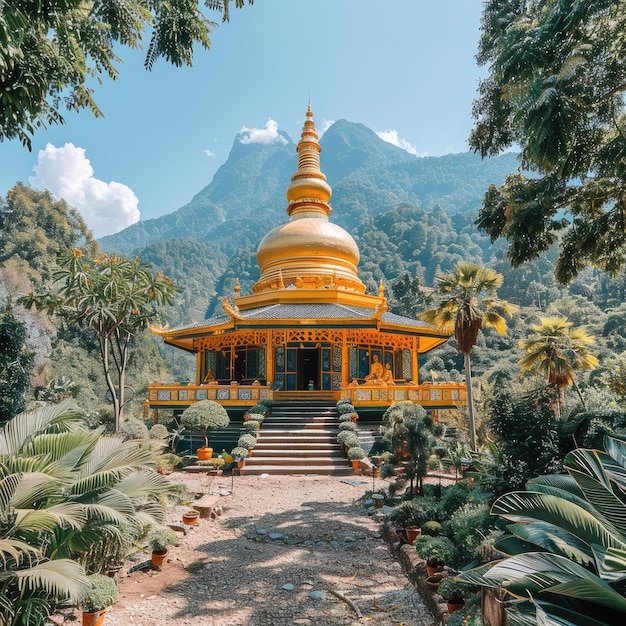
248,470
291,453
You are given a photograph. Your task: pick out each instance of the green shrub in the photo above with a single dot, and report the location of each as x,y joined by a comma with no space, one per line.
247,441
436,551
412,513
251,425
348,426
100,593
344,408
160,537
344,417
158,431
452,498
356,453
387,470
431,528
433,463
257,417
204,415
469,524
348,438
134,428
259,407
239,453
454,591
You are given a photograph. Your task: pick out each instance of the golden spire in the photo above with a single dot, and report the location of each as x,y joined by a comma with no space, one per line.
309,190
308,252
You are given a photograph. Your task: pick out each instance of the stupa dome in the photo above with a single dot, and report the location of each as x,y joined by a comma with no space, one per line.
309,251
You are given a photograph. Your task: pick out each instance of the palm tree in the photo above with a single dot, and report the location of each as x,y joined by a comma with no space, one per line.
467,301
557,350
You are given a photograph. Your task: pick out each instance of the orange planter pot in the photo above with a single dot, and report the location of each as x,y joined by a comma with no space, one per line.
204,454
412,534
94,619
191,517
454,607
157,558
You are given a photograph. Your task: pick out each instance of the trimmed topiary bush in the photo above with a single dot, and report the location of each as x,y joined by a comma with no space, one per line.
204,415
356,453
348,425
247,441
345,408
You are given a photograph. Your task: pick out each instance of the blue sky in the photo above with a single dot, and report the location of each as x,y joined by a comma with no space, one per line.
404,68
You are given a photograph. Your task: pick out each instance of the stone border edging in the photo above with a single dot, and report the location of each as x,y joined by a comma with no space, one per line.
415,569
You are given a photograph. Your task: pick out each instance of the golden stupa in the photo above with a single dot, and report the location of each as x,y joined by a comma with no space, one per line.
308,327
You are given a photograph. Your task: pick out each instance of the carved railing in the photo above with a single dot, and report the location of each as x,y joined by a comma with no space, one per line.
173,395
429,395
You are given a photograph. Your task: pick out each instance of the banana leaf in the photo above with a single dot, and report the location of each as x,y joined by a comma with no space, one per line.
527,507
610,563
554,539
595,473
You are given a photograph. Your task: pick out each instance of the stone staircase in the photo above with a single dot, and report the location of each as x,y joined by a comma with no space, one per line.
298,437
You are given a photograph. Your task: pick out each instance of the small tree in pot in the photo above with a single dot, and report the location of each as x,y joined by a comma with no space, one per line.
454,592
201,417
100,594
436,551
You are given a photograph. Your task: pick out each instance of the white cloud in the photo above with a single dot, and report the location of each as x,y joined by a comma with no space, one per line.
67,173
209,153
391,136
326,124
266,135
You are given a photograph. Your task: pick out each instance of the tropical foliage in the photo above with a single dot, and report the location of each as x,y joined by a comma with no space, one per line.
555,88
566,560
557,349
49,52
466,299
68,498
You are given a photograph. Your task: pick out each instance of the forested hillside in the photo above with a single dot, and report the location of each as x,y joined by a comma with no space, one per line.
411,217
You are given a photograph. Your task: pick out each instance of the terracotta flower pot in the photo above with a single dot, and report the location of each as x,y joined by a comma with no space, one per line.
433,569
94,619
204,454
412,534
157,558
452,607
191,517
355,466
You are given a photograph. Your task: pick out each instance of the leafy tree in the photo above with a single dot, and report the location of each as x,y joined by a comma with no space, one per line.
50,50
35,229
113,297
466,300
16,362
523,428
410,295
555,88
557,350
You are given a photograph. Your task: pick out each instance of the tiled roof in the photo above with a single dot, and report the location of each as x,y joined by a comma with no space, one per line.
318,311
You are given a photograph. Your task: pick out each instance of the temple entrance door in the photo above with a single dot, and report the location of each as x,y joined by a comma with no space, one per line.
308,368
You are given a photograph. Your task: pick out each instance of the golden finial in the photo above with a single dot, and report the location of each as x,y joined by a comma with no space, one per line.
281,284
381,289
237,288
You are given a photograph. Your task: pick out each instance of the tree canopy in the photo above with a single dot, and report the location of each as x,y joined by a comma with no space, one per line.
555,86
111,296
50,51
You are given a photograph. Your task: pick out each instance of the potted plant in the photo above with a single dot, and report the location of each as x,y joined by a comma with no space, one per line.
159,539
252,425
100,593
454,592
190,517
202,416
348,439
355,454
436,551
410,515
240,455
247,441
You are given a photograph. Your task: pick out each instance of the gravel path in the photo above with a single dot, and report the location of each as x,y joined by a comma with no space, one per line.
283,551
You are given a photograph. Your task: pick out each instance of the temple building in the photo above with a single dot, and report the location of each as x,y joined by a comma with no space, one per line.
308,329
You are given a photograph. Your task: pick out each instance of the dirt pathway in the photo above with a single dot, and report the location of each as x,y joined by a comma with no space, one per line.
285,551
